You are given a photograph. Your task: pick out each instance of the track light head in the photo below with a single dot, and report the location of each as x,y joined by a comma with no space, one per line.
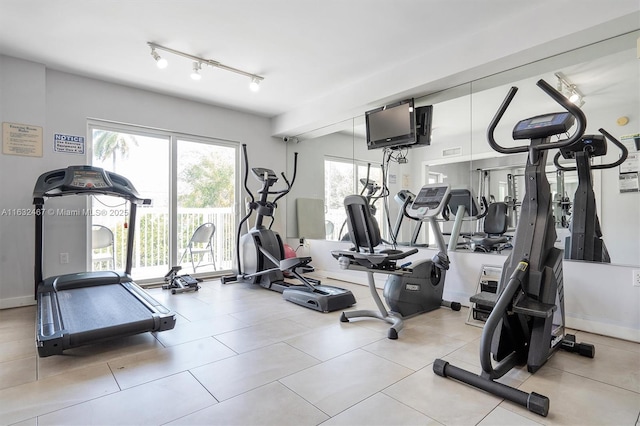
160,61
569,90
195,74
255,84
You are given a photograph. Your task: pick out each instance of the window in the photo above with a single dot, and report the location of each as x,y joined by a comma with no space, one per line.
190,180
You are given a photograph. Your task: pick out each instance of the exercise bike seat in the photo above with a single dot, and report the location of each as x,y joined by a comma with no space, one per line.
384,259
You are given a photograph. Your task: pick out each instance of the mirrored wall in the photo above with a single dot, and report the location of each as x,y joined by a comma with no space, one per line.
334,161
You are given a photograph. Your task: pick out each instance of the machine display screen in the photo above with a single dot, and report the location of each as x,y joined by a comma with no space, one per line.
88,179
543,126
429,197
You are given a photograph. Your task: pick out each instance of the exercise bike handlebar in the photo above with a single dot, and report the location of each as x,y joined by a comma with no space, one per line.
616,142
581,122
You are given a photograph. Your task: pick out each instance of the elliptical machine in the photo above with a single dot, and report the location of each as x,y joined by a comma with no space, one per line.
260,252
585,241
526,324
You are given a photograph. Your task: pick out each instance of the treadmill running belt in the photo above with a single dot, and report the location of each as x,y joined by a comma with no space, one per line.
95,313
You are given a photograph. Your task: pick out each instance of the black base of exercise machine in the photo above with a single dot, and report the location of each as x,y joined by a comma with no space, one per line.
180,283
526,323
83,308
260,252
409,290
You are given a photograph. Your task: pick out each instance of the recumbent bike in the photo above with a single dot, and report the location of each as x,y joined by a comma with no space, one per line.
410,289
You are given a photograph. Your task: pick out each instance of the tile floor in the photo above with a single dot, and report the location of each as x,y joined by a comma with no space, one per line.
241,355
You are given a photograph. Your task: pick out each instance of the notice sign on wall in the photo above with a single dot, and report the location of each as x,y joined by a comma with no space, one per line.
21,139
68,144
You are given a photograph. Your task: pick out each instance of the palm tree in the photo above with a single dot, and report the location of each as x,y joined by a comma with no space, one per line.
108,144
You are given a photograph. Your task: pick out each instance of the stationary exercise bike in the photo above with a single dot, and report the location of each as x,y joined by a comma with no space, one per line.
526,324
260,252
585,241
410,289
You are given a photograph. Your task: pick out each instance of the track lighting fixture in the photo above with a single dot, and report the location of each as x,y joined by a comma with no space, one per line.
569,90
198,62
254,85
195,74
160,61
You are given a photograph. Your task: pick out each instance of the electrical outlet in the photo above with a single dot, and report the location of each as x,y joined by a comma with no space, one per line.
636,277
64,258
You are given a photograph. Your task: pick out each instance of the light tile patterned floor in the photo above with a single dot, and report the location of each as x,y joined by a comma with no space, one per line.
242,355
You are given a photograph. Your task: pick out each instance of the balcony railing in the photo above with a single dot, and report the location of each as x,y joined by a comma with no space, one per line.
151,247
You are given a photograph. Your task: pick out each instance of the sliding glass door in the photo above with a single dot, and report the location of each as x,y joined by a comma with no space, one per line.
192,184
206,185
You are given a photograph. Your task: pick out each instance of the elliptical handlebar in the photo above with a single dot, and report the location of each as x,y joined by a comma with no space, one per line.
246,172
616,142
581,121
293,179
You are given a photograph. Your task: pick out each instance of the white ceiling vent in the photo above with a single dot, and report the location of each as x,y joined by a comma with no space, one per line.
452,152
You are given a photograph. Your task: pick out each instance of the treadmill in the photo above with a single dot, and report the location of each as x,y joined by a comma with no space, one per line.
86,307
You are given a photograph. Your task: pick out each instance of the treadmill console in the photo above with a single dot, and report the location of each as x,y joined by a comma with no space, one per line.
431,200
593,145
87,179
90,180
542,126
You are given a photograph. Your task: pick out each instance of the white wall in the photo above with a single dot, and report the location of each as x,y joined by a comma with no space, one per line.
62,103
598,298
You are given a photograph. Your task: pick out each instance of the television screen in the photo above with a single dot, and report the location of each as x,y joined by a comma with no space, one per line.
391,125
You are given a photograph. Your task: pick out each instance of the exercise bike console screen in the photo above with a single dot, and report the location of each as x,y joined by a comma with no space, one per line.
542,126
429,199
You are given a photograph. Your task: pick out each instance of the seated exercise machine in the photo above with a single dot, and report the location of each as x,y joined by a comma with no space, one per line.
526,324
86,307
585,241
260,252
409,289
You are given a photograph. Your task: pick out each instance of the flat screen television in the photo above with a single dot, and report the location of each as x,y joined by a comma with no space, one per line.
398,125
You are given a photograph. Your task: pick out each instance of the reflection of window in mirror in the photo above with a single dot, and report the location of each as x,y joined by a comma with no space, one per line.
433,177
343,178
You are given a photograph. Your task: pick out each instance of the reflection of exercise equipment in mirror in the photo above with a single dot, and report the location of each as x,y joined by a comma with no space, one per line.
585,241
561,203
526,323
494,225
260,253
369,190
404,198
464,205
410,289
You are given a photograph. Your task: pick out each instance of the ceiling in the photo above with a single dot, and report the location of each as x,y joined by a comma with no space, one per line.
322,61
